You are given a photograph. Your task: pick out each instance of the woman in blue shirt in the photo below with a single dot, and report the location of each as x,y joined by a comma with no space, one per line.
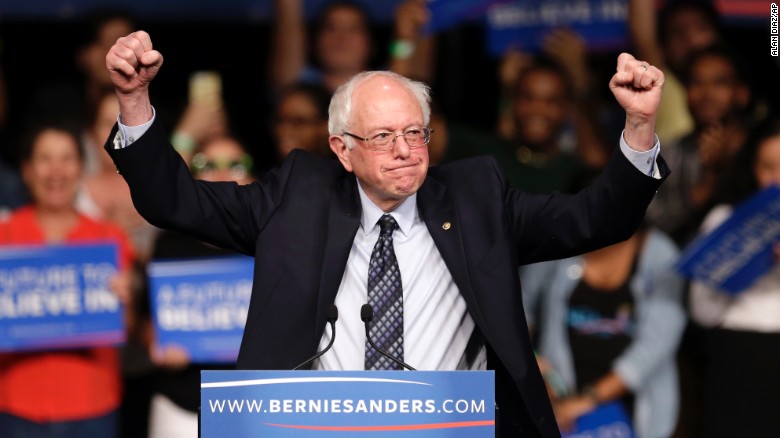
608,324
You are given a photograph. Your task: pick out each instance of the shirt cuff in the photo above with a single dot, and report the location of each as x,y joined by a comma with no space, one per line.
644,161
127,135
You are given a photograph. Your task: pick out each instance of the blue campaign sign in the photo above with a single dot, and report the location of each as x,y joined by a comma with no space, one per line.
608,420
319,404
200,305
739,251
525,23
447,13
54,296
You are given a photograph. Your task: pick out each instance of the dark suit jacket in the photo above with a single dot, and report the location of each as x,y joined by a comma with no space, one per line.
299,222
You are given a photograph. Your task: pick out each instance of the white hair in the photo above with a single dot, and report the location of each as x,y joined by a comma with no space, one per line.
340,107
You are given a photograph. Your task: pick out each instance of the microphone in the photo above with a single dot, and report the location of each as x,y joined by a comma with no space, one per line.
367,314
333,316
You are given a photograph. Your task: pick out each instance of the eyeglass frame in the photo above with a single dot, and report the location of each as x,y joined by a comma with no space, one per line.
391,144
199,164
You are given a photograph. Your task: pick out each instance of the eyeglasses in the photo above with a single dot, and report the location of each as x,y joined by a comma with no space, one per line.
385,140
239,167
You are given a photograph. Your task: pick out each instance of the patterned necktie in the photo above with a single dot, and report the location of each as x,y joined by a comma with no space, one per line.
385,295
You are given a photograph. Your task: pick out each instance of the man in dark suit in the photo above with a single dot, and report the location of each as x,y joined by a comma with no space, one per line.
455,233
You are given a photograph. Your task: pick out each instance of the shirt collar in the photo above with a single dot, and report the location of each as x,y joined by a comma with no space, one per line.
404,214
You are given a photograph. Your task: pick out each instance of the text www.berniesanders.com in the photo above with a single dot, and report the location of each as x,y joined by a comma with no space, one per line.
347,406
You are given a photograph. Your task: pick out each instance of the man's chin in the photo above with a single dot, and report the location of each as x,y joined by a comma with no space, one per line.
404,189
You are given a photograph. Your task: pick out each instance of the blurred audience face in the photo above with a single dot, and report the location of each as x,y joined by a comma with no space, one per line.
541,107
767,163
92,58
299,124
105,118
688,31
222,159
53,171
343,42
714,90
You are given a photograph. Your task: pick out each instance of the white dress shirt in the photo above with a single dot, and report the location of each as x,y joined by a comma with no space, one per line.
437,327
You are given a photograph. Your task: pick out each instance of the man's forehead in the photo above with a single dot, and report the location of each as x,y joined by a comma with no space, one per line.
377,84
381,95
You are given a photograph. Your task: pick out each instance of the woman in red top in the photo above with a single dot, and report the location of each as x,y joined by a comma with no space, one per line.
66,393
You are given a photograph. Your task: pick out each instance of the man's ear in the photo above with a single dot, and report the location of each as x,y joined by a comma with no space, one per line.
339,147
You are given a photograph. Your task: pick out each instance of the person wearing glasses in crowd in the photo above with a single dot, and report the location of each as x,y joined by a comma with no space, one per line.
176,381
458,231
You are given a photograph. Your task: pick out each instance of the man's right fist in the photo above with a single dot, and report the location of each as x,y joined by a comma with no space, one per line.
132,63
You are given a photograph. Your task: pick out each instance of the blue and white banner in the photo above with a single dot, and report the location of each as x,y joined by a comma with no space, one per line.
200,305
320,404
606,421
54,296
740,250
448,13
523,24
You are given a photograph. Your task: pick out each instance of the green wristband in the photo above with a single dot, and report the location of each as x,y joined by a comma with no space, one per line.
183,143
401,49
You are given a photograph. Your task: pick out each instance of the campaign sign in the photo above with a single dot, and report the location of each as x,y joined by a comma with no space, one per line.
739,251
607,421
320,404
525,23
200,305
57,296
744,11
447,13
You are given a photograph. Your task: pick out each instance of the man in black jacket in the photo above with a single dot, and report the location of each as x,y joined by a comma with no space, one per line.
460,231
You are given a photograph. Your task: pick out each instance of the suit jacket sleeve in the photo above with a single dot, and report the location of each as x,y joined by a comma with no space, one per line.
557,226
165,194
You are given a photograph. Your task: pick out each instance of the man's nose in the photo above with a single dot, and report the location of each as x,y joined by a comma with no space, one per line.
400,146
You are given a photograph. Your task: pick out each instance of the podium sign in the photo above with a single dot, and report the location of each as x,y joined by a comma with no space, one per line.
360,403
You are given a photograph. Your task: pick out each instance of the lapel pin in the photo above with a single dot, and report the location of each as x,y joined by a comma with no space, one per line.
446,226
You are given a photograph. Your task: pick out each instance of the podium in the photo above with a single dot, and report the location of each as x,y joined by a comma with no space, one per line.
347,403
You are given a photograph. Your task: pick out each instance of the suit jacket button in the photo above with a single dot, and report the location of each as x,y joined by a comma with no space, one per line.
446,226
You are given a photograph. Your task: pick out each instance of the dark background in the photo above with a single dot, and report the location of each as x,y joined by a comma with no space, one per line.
39,51
39,40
